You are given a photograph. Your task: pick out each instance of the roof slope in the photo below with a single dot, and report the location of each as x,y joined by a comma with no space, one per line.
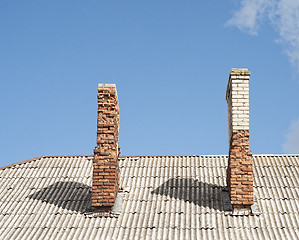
169,197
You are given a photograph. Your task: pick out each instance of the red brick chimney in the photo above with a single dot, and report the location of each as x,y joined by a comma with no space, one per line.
105,181
239,171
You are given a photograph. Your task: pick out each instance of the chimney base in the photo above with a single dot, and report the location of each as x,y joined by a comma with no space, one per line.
241,212
113,211
238,210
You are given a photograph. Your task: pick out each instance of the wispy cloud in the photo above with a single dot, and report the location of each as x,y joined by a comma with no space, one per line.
282,14
292,139
247,18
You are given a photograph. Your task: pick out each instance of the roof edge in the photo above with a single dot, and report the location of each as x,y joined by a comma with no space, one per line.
25,161
161,155
141,155
39,157
203,155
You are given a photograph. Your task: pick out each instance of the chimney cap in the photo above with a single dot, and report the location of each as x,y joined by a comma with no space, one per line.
106,85
239,71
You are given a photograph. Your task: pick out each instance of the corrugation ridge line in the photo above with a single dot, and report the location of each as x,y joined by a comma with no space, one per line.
10,201
15,233
123,176
89,229
294,171
112,228
70,235
92,233
294,206
53,233
65,233
70,192
130,176
4,233
80,234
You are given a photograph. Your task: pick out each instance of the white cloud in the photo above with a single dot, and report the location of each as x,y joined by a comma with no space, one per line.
292,139
248,16
285,19
282,14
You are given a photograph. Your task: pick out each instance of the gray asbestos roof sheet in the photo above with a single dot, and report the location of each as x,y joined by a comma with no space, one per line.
169,197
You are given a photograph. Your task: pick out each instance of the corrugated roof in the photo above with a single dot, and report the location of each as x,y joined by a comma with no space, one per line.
170,197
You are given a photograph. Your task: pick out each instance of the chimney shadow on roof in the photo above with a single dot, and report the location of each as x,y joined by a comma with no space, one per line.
193,191
73,196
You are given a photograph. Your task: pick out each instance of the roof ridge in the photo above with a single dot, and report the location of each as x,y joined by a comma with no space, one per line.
25,161
203,155
142,155
70,155
161,155
39,157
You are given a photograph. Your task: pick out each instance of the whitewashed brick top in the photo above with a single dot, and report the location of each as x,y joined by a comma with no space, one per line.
237,97
107,85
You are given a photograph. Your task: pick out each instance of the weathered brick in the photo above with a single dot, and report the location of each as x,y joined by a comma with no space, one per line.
239,171
105,180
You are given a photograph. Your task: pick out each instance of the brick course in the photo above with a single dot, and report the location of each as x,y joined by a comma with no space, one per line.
105,181
239,171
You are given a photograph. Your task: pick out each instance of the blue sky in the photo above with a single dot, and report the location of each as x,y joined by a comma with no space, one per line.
170,61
